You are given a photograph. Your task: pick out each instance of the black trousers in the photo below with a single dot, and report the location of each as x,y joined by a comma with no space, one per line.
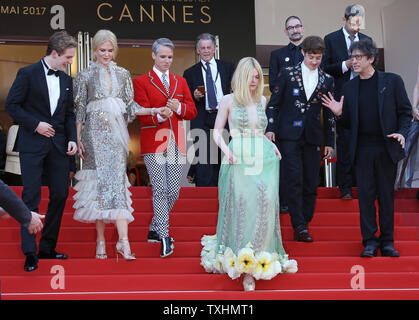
301,165
344,170
282,183
376,174
54,165
206,172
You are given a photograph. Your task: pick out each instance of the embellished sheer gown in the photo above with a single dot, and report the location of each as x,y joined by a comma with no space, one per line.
104,101
248,237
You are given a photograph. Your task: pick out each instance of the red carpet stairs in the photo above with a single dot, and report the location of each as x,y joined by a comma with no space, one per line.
329,268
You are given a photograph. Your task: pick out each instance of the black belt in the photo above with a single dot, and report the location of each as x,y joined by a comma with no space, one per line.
211,111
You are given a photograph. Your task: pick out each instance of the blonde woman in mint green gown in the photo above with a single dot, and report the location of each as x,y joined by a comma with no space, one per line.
248,240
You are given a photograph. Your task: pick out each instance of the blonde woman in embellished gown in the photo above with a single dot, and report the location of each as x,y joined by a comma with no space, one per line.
248,239
104,101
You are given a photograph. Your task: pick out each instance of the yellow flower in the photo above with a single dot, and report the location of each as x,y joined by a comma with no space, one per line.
230,264
265,266
246,261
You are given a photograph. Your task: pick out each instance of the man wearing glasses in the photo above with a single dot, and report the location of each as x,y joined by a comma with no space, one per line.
285,57
336,62
290,55
377,112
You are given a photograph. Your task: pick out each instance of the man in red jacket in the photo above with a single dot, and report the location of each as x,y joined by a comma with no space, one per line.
163,141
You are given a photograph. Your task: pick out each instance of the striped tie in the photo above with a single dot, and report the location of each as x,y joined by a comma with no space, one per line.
164,81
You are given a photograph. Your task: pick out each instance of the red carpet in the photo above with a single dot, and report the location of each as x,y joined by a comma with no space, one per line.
325,266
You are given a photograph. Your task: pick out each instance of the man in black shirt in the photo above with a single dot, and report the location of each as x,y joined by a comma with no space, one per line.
376,110
290,55
285,57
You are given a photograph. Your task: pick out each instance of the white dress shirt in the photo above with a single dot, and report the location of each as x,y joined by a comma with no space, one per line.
348,45
53,84
160,74
310,79
215,77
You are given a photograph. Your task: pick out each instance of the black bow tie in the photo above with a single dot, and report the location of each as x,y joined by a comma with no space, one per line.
53,72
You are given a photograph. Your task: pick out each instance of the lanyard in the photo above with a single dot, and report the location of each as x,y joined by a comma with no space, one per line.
205,69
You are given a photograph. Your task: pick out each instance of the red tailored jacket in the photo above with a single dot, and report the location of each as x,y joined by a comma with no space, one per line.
149,92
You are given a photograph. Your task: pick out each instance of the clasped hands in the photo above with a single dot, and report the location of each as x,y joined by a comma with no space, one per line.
167,111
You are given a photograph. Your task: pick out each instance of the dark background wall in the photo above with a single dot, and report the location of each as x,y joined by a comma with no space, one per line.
232,20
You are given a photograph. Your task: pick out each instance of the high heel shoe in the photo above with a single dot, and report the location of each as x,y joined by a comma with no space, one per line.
101,250
248,283
123,248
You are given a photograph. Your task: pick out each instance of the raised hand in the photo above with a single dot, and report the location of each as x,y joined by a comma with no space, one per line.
332,104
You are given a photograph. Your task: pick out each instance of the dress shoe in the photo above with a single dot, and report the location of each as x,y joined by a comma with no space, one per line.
52,255
369,251
153,237
346,196
124,249
167,246
389,251
302,236
31,263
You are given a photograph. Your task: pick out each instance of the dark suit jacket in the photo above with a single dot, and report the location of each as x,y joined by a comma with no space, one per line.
194,78
28,104
394,107
283,58
337,52
13,205
290,113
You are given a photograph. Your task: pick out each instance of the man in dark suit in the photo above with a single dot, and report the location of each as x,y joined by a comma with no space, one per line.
294,112
41,102
377,112
336,62
288,56
11,204
213,77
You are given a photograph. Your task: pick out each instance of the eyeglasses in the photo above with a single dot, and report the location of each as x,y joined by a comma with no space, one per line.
298,26
357,57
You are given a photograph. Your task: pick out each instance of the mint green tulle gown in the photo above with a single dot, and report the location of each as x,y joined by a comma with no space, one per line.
248,238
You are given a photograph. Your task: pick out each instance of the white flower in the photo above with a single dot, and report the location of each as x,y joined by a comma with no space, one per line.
265,268
218,264
230,264
246,261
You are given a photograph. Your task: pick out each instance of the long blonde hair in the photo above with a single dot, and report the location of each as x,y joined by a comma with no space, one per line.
241,81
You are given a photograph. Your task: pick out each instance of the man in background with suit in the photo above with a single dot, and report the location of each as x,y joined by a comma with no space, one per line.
336,62
377,112
294,118
285,57
41,102
289,55
208,80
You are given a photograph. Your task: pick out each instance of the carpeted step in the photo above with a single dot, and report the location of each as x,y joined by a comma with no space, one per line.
212,192
11,250
194,205
191,265
195,233
189,282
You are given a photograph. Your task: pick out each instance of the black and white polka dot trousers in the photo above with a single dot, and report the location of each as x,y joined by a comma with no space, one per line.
165,171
